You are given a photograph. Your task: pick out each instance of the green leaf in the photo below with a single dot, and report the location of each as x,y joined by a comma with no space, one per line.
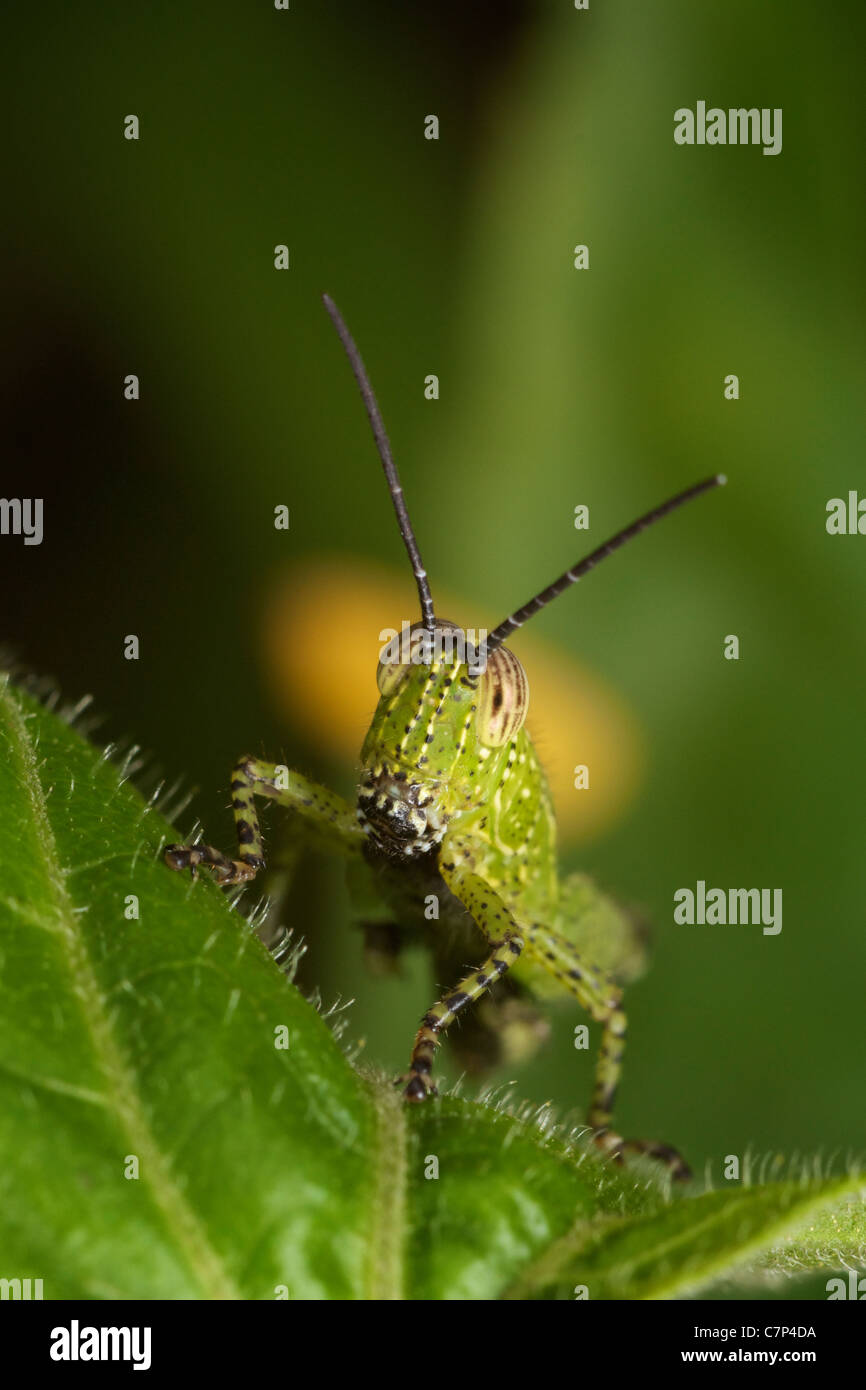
834,1239
156,1143
674,1253
503,1194
155,1038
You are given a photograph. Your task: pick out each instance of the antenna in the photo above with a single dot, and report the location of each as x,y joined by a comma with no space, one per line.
388,463
504,630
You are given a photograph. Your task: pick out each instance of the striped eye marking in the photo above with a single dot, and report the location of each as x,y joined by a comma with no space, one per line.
390,676
503,699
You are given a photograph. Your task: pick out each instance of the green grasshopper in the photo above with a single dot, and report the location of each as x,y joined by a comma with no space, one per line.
454,832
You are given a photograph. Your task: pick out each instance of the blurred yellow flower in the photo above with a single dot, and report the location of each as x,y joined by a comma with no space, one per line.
321,640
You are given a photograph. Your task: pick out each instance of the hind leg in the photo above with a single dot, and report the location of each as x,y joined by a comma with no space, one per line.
602,999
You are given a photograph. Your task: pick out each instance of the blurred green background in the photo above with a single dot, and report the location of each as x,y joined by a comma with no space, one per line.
305,127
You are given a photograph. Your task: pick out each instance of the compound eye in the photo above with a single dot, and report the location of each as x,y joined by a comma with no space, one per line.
389,674
398,654
503,699
415,646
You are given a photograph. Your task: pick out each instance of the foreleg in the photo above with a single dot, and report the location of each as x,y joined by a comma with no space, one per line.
325,818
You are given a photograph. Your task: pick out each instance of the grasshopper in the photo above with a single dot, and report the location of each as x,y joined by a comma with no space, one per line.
454,811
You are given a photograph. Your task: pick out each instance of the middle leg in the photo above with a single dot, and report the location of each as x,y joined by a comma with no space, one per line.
506,940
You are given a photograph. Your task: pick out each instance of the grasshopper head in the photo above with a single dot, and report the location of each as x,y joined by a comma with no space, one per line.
444,713
439,719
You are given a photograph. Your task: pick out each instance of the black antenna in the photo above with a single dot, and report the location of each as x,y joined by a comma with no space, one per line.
504,630
388,463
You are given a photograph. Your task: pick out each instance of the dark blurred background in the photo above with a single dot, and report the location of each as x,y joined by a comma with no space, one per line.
558,387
